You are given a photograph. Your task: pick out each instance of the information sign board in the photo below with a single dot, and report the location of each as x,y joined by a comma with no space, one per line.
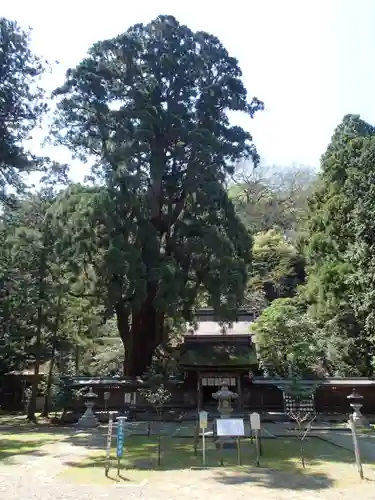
230,427
255,421
203,418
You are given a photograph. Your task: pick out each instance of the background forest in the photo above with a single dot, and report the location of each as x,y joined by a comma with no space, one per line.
179,212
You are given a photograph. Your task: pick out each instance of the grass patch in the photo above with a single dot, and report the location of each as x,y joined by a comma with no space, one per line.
24,443
367,430
140,459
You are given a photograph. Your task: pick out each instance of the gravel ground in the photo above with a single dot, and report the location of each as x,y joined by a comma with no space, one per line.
36,476
200,485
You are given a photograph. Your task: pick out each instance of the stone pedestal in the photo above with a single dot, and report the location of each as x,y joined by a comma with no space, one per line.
359,419
88,419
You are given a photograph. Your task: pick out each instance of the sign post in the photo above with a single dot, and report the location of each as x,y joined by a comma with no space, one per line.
238,451
356,447
120,441
255,425
107,396
203,423
109,443
230,428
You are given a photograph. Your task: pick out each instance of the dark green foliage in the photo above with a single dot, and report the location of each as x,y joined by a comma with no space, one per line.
21,105
30,284
151,107
36,307
158,234
103,354
337,300
65,395
288,341
340,250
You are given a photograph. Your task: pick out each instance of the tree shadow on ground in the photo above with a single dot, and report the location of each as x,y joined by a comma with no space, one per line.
281,467
11,448
91,439
276,479
35,429
292,479
280,461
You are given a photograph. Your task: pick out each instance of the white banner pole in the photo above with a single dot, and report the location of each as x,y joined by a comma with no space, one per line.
203,424
204,446
109,444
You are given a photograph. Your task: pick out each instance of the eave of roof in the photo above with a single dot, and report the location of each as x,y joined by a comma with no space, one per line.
211,354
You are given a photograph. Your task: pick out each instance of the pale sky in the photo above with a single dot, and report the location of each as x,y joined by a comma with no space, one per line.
310,61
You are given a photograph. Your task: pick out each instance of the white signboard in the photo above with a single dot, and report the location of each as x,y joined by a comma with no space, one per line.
203,416
109,434
255,421
109,443
230,427
107,395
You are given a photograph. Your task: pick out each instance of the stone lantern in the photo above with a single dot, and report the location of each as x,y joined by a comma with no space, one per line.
224,398
355,399
88,419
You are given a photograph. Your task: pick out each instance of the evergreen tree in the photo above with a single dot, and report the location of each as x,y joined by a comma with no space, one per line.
339,248
22,105
288,341
151,105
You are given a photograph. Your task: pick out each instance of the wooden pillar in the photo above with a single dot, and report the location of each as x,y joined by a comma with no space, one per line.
199,391
239,391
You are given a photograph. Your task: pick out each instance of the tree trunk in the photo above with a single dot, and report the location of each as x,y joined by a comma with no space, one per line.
34,388
52,362
38,341
144,335
49,383
77,355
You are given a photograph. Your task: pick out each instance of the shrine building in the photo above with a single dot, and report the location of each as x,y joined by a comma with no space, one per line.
216,354
212,355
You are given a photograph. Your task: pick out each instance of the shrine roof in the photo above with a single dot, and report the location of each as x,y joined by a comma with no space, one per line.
214,354
216,328
207,324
